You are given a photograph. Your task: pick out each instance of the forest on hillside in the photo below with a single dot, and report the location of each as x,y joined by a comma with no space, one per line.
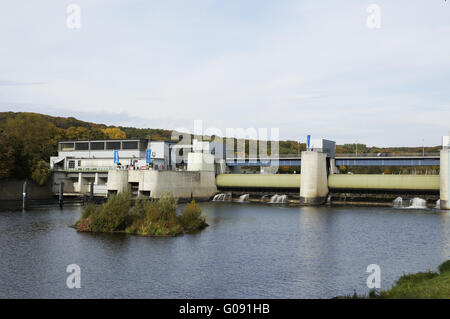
27,140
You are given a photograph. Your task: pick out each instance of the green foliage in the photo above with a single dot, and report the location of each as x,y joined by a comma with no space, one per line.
413,279
444,267
421,285
156,218
146,217
114,214
7,157
90,209
191,219
41,172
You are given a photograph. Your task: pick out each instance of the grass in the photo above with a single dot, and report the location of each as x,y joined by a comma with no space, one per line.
147,218
422,285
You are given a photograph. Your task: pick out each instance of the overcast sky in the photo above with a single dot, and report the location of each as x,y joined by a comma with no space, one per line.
306,67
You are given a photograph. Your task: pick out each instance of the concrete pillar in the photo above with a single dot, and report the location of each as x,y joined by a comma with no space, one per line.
96,179
314,181
445,177
333,168
81,184
117,180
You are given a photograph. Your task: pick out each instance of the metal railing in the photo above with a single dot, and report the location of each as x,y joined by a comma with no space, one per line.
83,169
388,154
393,154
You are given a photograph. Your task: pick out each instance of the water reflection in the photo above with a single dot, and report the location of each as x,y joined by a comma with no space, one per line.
249,251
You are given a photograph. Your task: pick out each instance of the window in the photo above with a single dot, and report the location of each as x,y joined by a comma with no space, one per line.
66,146
112,145
82,146
143,145
130,145
72,164
79,163
97,146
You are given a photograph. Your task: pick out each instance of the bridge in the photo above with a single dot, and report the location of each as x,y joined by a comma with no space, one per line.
381,159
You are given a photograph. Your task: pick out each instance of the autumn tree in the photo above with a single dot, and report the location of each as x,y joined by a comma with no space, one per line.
83,133
41,172
32,135
114,133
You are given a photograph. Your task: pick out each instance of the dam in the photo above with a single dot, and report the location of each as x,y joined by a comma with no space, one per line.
202,170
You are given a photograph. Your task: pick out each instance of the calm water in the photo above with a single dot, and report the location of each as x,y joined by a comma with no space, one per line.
249,251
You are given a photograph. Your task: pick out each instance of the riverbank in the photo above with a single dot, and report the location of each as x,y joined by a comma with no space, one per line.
421,285
146,218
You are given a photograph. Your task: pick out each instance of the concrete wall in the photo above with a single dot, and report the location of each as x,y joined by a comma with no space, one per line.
12,190
181,184
444,179
313,184
118,180
200,162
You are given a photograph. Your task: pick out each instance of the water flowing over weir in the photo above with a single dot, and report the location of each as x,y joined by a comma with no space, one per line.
398,202
222,197
414,203
243,198
417,202
277,199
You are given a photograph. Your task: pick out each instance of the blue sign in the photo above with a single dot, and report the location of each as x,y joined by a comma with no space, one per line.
308,141
116,157
148,156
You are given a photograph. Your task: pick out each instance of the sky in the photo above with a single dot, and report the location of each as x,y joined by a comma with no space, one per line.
304,67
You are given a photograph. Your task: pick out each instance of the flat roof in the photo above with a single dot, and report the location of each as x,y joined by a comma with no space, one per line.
109,140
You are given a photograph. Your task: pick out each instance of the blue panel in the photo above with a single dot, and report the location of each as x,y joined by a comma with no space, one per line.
388,162
148,156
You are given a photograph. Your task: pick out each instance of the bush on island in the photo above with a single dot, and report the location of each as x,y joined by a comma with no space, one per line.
146,217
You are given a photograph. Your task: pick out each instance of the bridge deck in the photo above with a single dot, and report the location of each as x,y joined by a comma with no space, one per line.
347,160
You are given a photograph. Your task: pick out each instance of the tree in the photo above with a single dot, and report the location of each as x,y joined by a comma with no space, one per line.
114,133
37,137
7,153
41,172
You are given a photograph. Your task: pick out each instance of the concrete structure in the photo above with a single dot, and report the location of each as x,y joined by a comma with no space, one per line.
313,183
323,146
200,162
347,160
445,179
146,168
99,154
153,183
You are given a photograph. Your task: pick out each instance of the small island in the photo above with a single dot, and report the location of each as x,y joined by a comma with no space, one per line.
145,217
